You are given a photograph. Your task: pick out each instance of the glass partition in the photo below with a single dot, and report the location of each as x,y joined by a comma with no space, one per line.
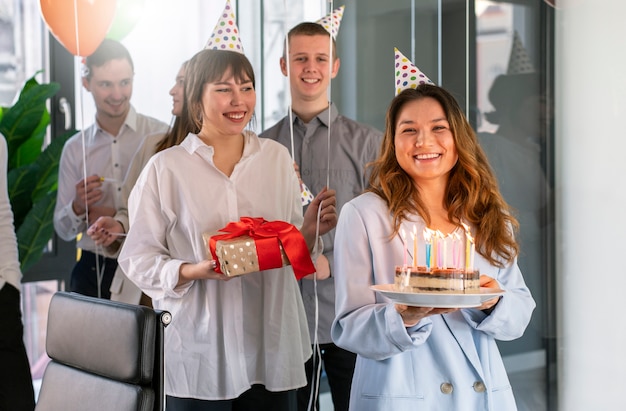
514,121
370,30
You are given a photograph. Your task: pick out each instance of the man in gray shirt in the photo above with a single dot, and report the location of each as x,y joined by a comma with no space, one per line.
352,146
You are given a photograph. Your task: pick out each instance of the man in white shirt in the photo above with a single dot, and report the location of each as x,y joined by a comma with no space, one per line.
94,164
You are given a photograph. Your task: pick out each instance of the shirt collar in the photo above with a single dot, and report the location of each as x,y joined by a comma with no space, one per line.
252,145
130,121
322,116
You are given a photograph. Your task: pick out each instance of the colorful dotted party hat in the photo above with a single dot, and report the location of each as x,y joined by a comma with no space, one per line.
519,60
407,75
225,34
306,196
332,21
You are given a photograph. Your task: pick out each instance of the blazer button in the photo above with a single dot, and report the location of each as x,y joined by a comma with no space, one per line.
446,388
479,386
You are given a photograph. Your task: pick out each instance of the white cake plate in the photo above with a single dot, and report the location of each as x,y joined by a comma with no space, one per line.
437,300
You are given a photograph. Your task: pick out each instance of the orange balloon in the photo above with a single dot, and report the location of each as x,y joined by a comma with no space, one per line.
79,25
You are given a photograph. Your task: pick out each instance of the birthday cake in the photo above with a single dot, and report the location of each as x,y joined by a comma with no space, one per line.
436,280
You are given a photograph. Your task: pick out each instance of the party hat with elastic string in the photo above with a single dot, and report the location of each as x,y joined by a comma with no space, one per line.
407,74
225,35
306,196
332,21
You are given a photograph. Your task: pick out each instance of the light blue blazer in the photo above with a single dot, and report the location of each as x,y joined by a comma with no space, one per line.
445,362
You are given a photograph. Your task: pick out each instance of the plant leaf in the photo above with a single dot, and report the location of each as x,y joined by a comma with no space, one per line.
20,182
31,148
48,167
36,230
19,122
32,174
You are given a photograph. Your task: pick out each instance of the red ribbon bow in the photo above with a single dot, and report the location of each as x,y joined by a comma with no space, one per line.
268,251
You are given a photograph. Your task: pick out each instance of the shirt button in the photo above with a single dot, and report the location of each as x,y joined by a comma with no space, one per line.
479,386
446,388
117,165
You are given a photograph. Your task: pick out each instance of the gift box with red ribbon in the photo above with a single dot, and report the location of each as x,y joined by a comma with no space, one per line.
254,244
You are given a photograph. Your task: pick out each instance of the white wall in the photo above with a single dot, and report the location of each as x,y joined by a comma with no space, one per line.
591,199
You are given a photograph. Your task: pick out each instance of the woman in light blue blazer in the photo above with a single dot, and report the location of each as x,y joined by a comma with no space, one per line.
431,173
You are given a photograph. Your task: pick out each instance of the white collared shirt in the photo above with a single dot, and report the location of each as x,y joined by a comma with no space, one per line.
351,146
225,335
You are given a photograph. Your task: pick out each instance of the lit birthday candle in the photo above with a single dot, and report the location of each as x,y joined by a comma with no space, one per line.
456,238
433,250
468,239
472,252
466,262
403,235
440,250
414,237
445,251
428,243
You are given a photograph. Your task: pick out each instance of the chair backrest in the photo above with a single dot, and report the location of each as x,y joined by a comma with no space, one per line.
105,355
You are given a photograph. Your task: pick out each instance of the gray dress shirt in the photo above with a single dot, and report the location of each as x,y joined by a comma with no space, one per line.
352,146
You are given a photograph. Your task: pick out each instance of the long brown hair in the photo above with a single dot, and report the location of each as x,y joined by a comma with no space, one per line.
177,132
472,194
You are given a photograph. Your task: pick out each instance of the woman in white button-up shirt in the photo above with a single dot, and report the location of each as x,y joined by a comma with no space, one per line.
431,173
245,340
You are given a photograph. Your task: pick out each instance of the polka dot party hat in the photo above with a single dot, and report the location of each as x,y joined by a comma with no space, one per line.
225,34
407,75
332,21
519,60
306,196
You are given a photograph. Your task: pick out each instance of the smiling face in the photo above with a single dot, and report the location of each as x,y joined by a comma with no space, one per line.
111,86
424,144
310,67
228,105
178,92
219,93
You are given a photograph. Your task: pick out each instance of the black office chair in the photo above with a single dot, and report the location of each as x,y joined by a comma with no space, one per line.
105,356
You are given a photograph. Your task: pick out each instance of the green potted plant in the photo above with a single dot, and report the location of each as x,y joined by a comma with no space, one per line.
32,172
